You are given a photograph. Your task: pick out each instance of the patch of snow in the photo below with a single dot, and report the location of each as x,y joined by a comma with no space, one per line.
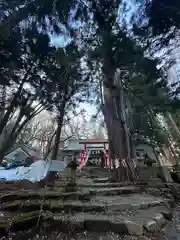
34,173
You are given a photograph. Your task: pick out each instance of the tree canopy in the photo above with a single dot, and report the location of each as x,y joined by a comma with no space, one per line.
99,57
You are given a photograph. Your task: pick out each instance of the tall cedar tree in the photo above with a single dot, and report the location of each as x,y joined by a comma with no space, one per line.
109,45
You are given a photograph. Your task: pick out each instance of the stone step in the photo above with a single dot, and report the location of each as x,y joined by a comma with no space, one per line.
101,180
23,195
119,184
10,222
115,190
102,184
95,171
131,201
84,193
139,223
97,204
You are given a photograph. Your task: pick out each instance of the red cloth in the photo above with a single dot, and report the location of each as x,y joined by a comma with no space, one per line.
106,159
82,159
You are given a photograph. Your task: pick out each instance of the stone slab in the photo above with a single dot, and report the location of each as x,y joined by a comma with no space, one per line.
134,228
102,184
149,220
97,203
101,180
159,218
23,195
136,201
116,190
151,226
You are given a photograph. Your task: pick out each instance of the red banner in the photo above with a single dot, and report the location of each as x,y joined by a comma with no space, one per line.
82,159
106,159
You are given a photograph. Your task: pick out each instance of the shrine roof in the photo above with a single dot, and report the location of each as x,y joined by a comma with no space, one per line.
93,141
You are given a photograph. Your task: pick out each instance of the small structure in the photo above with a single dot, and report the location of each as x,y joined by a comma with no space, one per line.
86,149
167,159
69,148
72,147
93,144
145,148
24,154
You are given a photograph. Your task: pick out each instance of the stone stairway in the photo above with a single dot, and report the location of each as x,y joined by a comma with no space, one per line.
94,172
97,206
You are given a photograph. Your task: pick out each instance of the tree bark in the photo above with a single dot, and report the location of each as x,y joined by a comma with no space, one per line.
14,134
48,150
8,144
2,101
6,116
119,142
58,132
18,120
172,124
129,154
13,103
164,169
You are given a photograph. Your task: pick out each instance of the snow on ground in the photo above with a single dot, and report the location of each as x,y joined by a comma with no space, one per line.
34,173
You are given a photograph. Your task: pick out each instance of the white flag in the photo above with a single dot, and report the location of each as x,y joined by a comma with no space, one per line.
134,162
124,163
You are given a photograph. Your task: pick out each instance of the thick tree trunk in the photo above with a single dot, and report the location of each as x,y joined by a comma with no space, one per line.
172,124
14,101
8,144
2,101
18,120
6,116
58,133
55,150
49,144
118,144
50,178
130,155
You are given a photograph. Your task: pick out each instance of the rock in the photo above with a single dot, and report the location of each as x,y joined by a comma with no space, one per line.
101,180
154,203
136,206
61,222
23,195
167,214
12,206
134,228
116,190
18,184
77,224
144,205
85,195
160,219
93,207
118,227
151,226
4,228
97,224
119,207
